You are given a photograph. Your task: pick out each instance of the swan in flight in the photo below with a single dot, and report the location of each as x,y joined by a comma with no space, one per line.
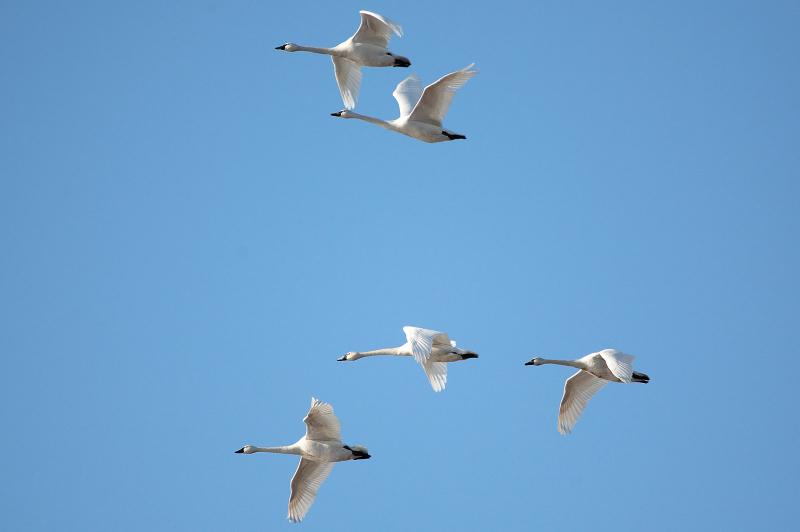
319,449
421,111
595,370
367,47
432,349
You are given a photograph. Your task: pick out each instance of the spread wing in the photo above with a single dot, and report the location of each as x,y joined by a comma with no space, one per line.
620,364
437,374
423,340
376,29
436,98
348,78
407,94
321,423
306,481
577,391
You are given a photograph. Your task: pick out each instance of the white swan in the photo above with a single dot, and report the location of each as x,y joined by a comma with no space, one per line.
432,349
594,371
421,111
367,47
319,449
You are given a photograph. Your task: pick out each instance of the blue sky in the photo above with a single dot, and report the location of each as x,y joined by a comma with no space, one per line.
189,241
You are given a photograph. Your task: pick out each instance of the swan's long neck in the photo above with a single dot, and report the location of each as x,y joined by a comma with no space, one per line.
315,50
571,363
392,351
284,449
371,120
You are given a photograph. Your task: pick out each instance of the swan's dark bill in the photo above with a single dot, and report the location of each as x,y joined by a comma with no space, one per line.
281,47
240,451
341,358
453,136
337,113
529,363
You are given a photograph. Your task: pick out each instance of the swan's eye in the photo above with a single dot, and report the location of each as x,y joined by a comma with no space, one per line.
388,53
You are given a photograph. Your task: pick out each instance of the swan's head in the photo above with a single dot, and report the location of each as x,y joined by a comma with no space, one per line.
288,47
350,355
534,362
247,449
344,113
359,452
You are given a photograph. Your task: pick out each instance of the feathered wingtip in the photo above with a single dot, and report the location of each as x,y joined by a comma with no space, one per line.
396,28
468,67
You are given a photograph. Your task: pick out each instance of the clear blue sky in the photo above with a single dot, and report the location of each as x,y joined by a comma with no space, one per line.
189,241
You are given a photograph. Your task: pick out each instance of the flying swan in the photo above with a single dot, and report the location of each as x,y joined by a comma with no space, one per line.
432,349
421,111
595,370
318,450
367,47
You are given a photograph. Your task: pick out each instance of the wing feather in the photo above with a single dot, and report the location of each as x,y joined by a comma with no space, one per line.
375,29
407,94
321,423
348,78
307,479
436,98
620,364
577,391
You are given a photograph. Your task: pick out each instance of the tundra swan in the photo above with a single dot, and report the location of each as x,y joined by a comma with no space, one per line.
594,371
432,349
319,449
421,111
367,47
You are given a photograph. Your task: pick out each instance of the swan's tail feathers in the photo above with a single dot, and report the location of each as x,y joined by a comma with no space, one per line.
468,354
640,377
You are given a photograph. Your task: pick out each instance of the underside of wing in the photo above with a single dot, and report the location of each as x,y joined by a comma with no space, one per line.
436,98
306,481
376,29
407,94
577,391
348,78
437,374
620,364
321,423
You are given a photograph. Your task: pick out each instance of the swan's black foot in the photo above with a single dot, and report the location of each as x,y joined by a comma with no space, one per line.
401,62
469,355
357,454
453,136
640,377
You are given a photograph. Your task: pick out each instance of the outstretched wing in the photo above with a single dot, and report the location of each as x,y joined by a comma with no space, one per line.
376,29
436,98
620,364
348,78
306,481
437,374
577,391
321,423
421,341
407,94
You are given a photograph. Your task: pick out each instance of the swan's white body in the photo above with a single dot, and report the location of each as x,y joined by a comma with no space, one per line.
367,47
595,370
319,449
422,111
432,349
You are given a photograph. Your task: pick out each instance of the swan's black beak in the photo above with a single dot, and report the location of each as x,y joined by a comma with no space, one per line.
530,363
400,61
240,451
342,358
337,113
281,47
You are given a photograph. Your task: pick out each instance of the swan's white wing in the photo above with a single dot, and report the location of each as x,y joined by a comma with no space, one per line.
620,364
376,29
306,481
437,374
577,391
348,77
436,98
407,94
321,423
421,341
